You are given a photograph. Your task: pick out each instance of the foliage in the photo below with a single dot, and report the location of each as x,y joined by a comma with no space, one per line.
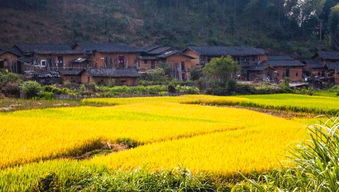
290,26
220,70
6,77
10,104
317,164
77,176
157,76
334,26
31,89
196,73
23,4
10,84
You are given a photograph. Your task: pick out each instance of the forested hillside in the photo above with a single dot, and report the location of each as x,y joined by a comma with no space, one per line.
292,26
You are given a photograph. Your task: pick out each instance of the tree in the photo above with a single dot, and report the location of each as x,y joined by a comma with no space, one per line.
334,26
220,71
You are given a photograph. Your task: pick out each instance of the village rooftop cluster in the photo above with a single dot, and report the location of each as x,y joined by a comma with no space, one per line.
104,62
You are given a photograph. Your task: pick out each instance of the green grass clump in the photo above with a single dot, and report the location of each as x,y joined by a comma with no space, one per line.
78,176
317,165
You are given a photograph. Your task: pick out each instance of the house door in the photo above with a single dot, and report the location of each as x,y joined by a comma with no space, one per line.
287,72
121,61
2,64
18,67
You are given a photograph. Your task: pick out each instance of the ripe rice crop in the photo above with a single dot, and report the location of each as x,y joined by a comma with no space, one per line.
290,102
173,134
32,135
261,146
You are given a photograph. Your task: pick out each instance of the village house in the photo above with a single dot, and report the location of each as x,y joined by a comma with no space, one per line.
108,62
178,62
149,58
284,67
127,76
72,61
327,62
9,60
313,68
243,55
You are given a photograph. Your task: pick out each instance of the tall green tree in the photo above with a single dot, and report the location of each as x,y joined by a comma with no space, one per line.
334,26
221,70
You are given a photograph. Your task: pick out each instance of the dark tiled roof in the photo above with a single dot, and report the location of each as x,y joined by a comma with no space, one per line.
147,58
257,68
173,52
223,51
26,59
130,72
43,74
110,48
150,48
333,66
47,49
159,50
283,61
331,55
313,64
280,58
71,72
12,51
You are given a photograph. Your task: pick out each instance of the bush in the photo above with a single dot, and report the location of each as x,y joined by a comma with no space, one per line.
187,89
46,95
31,89
196,73
11,89
304,91
6,77
58,91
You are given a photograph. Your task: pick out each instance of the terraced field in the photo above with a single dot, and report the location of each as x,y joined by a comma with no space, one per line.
170,132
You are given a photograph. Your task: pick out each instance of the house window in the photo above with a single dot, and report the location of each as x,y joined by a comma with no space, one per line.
43,63
145,61
153,65
121,61
108,62
183,67
60,61
296,74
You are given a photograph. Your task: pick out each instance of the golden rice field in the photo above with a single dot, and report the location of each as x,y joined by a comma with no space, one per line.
219,140
289,102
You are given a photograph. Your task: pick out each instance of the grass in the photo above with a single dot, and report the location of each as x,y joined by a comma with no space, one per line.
317,165
65,175
8,104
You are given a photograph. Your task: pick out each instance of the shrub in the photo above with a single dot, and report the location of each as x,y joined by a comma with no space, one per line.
6,77
196,73
11,89
304,91
187,89
46,95
31,89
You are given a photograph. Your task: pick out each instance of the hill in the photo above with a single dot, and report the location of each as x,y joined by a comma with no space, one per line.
287,26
